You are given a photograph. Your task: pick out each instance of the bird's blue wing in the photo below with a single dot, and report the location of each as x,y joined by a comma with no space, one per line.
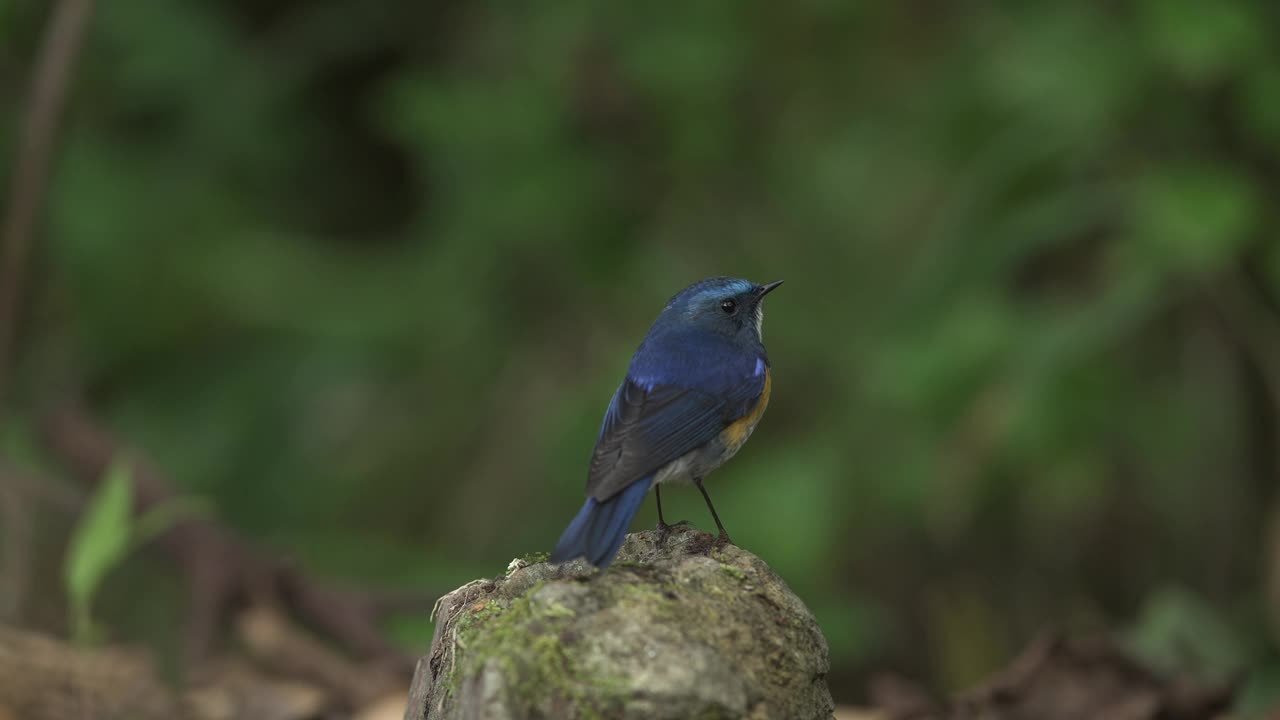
649,425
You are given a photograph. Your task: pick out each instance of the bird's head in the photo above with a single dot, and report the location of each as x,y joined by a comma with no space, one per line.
725,306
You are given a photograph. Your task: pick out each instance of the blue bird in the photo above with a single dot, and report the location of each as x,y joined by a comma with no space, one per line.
696,388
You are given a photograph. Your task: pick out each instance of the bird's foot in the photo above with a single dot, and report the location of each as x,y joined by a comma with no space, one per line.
664,530
722,539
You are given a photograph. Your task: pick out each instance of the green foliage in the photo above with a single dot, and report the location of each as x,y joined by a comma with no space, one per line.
364,275
99,543
1196,218
1260,693
1178,631
106,534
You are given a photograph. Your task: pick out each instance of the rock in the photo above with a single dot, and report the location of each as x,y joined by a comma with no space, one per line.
680,631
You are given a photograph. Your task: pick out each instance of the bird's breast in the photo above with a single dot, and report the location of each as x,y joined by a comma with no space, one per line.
739,430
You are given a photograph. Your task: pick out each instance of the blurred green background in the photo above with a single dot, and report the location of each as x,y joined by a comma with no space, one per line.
364,274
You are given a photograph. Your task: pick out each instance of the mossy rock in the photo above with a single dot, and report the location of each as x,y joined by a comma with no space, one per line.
685,630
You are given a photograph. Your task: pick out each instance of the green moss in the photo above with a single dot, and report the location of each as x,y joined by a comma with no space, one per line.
525,639
474,616
733,571
648,598
556,610
534,558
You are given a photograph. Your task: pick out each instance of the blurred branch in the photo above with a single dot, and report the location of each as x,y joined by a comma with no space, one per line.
15,513
63,38
1057,678
17,491
51,490
276,643
1253,326
1256,331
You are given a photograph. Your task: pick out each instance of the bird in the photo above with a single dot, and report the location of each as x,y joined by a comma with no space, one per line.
693,393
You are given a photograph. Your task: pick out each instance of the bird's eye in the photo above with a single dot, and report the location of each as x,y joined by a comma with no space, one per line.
729,306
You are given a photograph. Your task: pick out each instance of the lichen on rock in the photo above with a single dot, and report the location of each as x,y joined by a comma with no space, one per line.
681,630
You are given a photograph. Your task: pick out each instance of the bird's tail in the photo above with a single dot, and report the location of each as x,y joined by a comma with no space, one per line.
599,528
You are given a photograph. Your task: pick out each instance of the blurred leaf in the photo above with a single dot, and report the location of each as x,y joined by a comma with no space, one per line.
1260,104
1179,631
1259,699
99,543
1194,217
976,333
1035,63
164,516
970,635
1203,40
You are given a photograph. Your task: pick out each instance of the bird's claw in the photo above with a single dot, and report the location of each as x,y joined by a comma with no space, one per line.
722,539
664,530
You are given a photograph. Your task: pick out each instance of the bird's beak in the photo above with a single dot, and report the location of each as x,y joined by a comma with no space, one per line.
766,289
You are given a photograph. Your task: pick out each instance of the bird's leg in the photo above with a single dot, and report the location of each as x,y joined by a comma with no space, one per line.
723,538
663,527
657,494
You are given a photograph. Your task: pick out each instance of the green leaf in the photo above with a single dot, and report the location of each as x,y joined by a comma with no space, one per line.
98,544
1194,217
1259,103
1260,693
1178,631
165,515
1203,41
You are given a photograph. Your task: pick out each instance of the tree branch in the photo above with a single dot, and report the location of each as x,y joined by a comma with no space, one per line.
63,38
